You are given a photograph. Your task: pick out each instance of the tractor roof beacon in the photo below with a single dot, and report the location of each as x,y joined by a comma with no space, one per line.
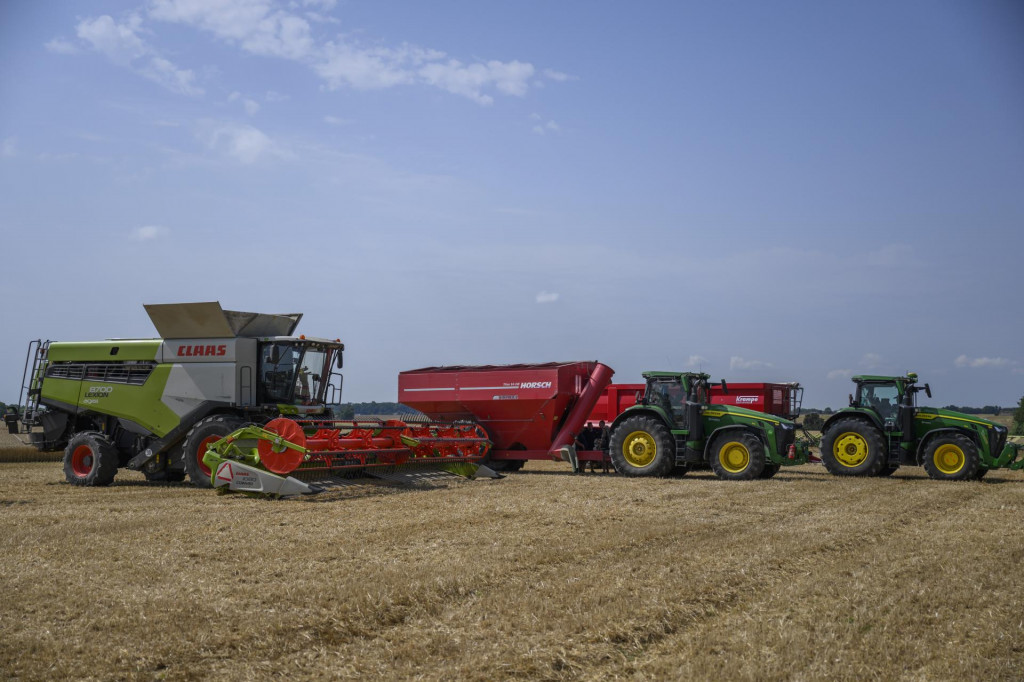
883,429
674,428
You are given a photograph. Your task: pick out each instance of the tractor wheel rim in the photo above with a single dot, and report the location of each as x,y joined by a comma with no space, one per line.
949,459
82,460
639,449
734,457
850,449
202,451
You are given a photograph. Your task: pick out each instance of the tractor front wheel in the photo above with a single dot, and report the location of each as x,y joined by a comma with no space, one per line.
853,447
951,458
737,456
200,437
90,459
642,446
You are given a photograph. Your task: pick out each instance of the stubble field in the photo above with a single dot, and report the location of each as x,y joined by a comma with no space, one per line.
541,575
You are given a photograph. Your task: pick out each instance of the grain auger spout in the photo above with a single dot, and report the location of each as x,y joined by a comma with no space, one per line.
280,458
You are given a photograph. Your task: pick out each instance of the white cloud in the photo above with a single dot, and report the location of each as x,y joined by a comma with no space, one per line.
121,44
274,96
550,126
251,106
696,361
551,74
839,374
736,362
61,46
335,121
964,361
545,297
149,233
871,360
244,143
9,147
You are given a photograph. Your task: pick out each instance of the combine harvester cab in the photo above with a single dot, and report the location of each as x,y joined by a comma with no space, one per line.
883,429
674,428
157,405
530,412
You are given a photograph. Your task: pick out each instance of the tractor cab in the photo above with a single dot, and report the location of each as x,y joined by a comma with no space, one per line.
299,371
674,391
893,399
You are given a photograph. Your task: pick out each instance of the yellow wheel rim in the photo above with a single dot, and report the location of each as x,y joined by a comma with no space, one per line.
850,449
639,449
949,458
734,457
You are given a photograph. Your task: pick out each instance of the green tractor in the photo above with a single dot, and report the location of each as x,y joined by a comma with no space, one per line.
673,428
883,429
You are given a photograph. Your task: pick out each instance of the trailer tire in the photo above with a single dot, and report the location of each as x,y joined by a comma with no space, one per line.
737,456
951,457
853,447
642,446
90,459
204,432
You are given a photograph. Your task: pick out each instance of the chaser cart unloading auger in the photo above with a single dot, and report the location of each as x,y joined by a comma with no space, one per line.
159,405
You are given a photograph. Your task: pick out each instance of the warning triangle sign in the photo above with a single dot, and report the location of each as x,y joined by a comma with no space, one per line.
225,472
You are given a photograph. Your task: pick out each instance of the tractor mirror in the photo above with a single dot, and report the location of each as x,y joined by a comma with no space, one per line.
340,362
928,390
851,400
725,387
639,397
275,355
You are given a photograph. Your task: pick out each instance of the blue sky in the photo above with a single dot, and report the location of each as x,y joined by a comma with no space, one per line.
769,191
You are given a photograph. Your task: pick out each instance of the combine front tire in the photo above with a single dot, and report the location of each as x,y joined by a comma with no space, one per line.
90,459
853,447
205,432
951,458
737,456
642,446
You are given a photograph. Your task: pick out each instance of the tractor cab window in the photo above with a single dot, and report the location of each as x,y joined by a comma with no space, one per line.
668,394
293,373
882,398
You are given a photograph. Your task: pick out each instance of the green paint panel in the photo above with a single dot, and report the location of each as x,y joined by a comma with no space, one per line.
101,351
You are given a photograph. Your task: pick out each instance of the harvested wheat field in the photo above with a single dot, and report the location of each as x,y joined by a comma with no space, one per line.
542,575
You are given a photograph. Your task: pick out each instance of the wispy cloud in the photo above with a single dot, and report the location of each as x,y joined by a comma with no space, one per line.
149,232
243,143
736,362
558,76
696,361
61,46
121,44
964,361
9,147
839,374
546,297
871,360
336,121
549,127
251,106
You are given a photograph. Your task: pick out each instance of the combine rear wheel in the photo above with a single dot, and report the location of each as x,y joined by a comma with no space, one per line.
642,446
737,456
205,432
90,459
951,458
853,447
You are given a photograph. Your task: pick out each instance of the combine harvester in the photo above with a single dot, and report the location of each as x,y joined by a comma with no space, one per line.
230,399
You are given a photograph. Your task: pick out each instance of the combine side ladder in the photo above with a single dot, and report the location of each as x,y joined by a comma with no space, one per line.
31,382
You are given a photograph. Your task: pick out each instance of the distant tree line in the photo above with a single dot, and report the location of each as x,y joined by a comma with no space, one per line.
988,409
1018,419
350,410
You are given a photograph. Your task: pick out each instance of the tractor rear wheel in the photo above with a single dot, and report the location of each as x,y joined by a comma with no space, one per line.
90,459
642,446
737,456
853,447
951,457
200,437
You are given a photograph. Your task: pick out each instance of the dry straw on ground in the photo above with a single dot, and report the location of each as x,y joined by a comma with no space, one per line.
542,575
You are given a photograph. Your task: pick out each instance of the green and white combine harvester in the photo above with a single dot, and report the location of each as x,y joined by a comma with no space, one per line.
229,399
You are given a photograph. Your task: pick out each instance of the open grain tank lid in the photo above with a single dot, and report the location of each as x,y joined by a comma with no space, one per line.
210,321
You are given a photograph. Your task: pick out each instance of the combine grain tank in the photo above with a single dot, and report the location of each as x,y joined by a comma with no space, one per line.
529,411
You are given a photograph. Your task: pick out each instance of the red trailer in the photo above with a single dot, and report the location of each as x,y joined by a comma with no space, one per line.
782,400
529,411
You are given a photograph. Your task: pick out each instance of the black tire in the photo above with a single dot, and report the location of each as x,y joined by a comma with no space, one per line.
853,447
90,459
199,436
981,473
770,470
737,455
887,471
642,446
951,457
504,466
